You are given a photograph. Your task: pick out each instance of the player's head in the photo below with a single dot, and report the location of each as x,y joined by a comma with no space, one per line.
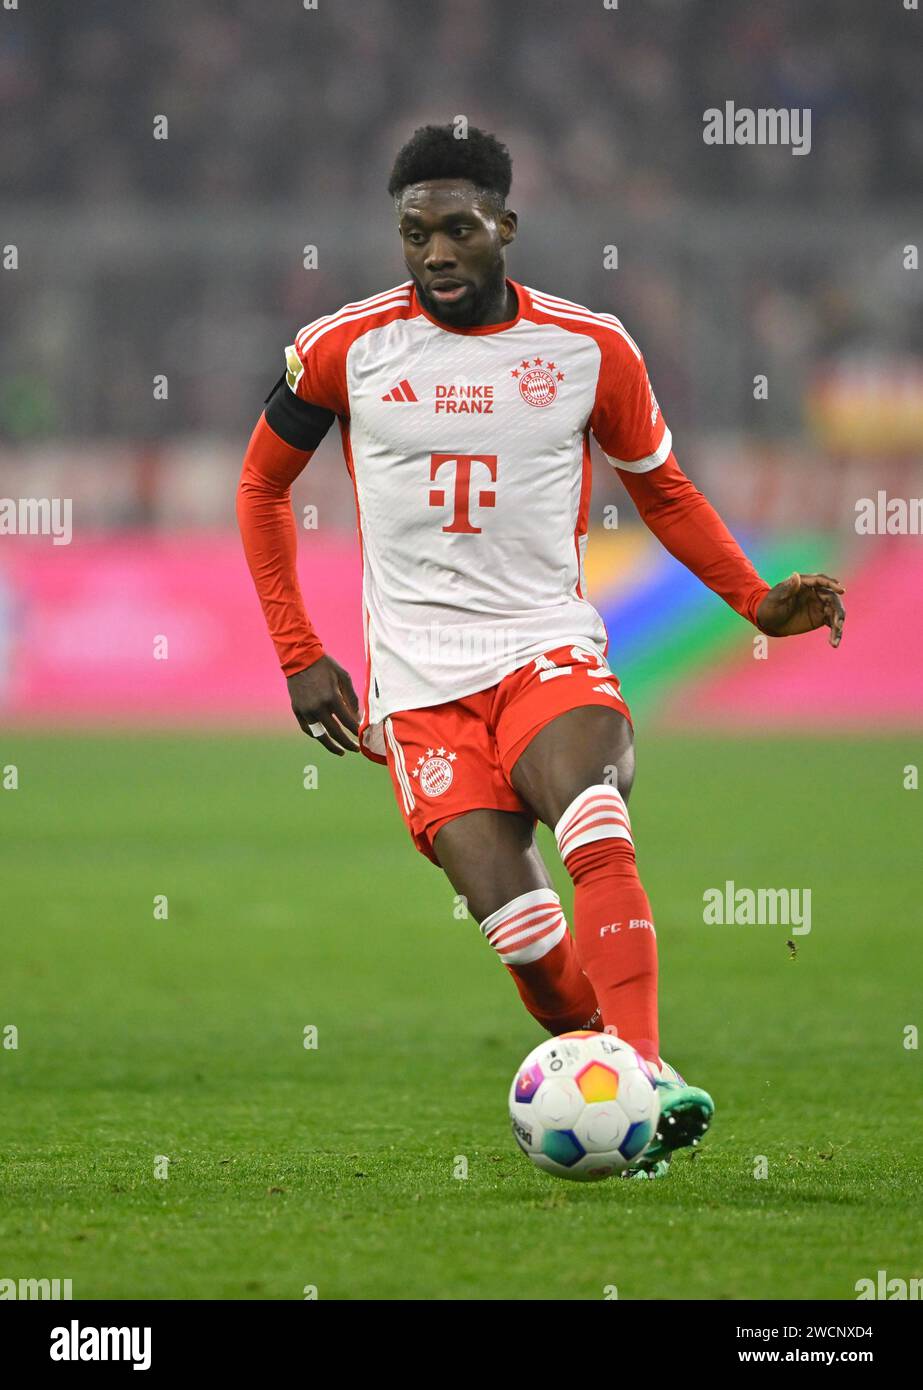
450,197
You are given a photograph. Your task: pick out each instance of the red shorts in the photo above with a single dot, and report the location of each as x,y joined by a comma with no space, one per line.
448,759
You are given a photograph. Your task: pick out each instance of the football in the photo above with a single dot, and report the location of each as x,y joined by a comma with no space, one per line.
584,1106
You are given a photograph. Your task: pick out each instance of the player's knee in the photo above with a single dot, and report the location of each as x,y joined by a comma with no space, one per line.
619,765
526,928
595,830
612,764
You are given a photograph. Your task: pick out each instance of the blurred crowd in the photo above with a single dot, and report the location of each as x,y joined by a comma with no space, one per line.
269,100
182,256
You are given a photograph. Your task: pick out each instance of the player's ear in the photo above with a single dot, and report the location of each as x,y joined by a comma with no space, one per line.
508,224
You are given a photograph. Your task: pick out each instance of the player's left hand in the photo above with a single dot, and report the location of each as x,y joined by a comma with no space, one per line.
802,603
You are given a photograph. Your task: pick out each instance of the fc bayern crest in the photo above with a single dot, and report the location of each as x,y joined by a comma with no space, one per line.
435,771
538,381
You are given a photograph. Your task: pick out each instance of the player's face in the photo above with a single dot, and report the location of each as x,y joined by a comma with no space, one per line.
453,247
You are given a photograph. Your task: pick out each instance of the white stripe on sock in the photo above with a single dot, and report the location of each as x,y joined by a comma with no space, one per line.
596,813
527,928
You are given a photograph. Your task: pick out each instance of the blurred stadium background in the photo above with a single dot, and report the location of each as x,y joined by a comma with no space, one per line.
184,258
125,259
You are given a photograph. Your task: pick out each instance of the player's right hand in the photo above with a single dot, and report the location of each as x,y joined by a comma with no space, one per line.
323,696
802,603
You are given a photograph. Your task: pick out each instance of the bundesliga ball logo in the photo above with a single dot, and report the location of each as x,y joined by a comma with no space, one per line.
537,387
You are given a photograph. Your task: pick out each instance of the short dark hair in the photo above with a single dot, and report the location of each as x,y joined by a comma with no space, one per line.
435,152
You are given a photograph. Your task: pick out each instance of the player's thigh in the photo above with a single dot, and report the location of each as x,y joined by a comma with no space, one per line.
490,857
581,748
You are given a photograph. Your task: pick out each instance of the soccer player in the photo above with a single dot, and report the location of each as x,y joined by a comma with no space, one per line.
465,402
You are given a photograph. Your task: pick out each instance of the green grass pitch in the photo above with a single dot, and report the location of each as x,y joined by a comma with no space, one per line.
335,1167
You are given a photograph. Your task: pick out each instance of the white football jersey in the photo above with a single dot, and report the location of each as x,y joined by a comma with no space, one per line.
469,453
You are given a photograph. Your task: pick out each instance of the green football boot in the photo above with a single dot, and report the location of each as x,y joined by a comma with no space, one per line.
685,1114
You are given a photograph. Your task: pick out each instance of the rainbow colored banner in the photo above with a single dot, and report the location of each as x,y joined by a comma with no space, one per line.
151,630
687,661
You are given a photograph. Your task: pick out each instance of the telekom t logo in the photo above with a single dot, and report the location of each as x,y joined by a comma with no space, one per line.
461,521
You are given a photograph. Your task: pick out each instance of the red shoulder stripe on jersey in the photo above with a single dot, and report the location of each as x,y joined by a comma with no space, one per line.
552,307
362,308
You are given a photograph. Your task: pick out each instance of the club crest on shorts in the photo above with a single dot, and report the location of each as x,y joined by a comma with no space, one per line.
434,771
538,381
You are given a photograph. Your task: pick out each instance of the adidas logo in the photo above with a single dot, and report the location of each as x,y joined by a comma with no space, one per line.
403,391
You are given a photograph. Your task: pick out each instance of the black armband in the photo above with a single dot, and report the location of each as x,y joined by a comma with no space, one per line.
299,423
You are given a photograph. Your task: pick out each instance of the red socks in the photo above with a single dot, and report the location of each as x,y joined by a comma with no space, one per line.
616,945
616,942
531,938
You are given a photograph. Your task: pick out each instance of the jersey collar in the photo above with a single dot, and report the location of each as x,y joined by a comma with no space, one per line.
521,304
